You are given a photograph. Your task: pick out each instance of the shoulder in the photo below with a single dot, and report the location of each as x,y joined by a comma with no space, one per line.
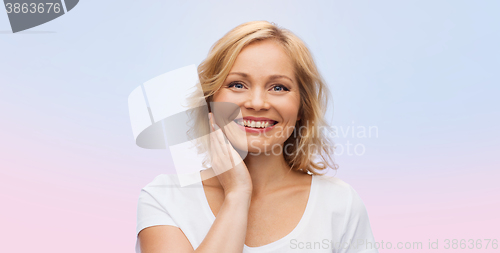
155,205
165,194
349,213
166,187
333,184
162,182
161,189
339,194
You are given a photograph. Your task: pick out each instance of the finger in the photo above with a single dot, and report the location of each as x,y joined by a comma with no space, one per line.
219,120
212,147
229,147
215,146
220,156
221,139
219,163
225,146
236,157
231,155
210,122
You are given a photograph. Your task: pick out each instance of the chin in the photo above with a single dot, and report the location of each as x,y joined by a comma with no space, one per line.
257,145
257,149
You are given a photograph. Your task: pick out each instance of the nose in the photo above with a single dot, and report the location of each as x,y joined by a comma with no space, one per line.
257,100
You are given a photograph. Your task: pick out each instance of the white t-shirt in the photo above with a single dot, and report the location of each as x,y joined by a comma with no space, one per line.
335,218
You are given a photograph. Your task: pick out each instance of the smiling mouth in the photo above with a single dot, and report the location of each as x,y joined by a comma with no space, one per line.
258,124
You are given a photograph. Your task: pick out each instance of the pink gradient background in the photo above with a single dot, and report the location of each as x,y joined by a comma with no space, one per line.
423,72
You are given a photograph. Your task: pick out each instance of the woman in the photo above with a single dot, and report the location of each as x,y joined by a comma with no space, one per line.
273,199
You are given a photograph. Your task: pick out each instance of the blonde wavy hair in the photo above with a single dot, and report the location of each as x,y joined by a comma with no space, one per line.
314,94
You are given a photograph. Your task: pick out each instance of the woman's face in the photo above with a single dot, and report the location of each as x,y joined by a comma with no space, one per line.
262,85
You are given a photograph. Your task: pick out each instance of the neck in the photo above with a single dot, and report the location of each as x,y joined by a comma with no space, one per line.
268,171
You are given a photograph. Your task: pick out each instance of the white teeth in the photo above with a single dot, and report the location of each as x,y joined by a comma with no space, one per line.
254,124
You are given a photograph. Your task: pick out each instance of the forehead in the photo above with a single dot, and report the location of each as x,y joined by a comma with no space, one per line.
264,58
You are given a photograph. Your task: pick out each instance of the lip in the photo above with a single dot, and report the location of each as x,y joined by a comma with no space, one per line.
255,130
257,119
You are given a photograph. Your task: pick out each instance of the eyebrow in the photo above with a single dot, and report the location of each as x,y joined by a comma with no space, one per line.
272,77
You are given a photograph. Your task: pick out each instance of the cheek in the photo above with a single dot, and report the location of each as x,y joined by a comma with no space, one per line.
291,110
294,103
289,102
224,96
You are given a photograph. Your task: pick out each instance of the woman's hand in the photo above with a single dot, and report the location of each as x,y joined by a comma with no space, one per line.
227,164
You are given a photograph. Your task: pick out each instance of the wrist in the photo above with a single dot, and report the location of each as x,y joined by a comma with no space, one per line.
240,197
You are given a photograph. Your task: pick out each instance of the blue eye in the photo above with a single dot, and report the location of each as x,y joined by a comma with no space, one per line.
281,88
236,85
